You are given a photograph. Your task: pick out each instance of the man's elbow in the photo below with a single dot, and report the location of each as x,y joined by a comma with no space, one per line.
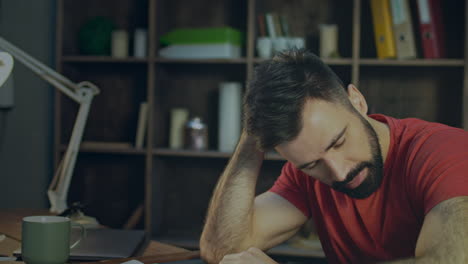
209,252
213,248
213,251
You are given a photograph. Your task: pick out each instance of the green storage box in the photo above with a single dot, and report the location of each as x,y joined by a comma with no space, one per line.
187,36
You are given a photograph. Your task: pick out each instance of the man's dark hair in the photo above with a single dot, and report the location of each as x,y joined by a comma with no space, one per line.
278,91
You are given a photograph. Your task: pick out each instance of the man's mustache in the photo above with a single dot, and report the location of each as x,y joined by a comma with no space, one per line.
351,175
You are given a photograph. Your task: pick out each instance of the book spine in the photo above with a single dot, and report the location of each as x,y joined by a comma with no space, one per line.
270,25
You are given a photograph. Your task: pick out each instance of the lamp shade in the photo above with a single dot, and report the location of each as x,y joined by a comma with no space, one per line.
6,65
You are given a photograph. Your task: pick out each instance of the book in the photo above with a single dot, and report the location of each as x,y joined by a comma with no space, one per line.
270,25
284,25
383,29
403,29
142,124
261,25
277,23
431,29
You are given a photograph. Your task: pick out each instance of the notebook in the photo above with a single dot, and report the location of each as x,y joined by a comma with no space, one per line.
100,244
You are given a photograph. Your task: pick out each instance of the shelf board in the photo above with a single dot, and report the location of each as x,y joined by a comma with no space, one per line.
413,62
280,250
102,59
165,152
108,147
200,61
342,61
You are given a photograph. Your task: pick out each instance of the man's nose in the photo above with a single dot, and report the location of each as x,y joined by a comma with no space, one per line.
337,170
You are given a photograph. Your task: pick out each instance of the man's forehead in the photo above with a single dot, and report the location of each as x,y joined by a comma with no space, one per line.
315,137
322,116
322,121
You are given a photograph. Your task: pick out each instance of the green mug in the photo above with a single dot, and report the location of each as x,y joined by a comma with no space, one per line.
46,239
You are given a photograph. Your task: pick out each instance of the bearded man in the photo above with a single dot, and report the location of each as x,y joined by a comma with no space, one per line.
378,188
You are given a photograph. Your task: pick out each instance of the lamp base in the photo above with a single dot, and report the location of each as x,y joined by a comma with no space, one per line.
76,215
84,220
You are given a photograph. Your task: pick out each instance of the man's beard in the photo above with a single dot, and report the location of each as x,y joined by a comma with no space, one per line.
374,168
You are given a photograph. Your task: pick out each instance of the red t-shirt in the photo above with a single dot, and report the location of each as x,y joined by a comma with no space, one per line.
426,164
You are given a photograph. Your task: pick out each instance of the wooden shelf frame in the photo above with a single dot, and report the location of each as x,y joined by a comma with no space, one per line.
102,59
127,148
108,148
165,152
413,62
332,62
338,61
200,61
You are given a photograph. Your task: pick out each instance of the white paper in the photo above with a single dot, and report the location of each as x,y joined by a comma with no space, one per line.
423,8
398,12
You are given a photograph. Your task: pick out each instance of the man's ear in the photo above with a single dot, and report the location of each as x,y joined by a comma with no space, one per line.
357,99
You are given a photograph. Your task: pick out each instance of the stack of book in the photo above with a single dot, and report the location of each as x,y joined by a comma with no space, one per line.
394,34
273,25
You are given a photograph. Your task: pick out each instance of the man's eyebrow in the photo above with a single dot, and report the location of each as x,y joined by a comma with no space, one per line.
332,143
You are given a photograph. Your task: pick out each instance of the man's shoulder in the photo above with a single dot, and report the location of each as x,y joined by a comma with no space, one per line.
430,136
410,134
429,149
418,144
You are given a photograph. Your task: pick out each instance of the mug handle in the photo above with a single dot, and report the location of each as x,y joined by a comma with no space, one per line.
82,234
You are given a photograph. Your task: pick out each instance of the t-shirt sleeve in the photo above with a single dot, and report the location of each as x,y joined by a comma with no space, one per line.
291,185
441,166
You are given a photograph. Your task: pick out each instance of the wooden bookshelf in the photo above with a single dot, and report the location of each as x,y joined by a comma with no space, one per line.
176,185
109,148
337,61
201,61
102,59
165,152
414,62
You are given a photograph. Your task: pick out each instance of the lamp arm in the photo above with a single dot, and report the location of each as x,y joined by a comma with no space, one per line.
54,78
58,189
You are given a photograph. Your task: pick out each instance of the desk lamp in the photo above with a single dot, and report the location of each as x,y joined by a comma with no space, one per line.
82,93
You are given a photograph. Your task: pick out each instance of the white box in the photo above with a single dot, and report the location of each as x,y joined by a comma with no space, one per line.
201,51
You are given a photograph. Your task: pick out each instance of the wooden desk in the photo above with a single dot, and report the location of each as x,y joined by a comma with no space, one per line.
10,226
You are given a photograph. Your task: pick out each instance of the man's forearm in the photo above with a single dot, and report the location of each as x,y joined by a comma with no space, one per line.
228,224
444,234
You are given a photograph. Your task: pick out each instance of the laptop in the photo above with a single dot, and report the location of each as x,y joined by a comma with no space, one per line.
101,244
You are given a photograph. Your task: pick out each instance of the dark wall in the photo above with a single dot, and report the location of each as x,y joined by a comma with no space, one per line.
26,130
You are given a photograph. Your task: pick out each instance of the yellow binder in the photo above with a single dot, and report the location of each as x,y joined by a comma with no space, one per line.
382,18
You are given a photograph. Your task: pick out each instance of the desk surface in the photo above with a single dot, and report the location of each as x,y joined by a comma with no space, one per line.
10,226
